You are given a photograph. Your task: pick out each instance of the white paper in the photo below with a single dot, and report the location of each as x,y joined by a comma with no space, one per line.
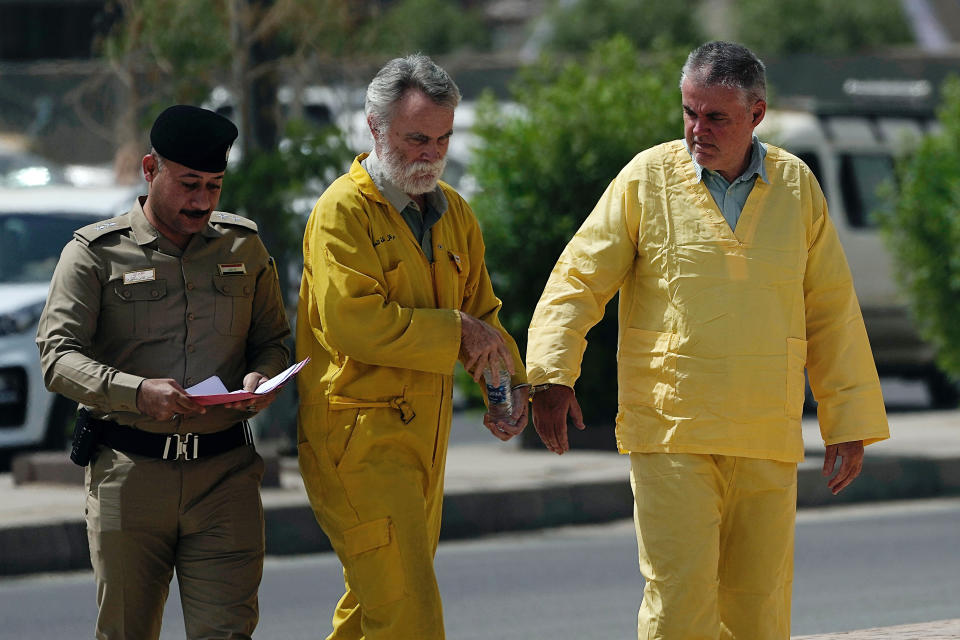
213,386
280,378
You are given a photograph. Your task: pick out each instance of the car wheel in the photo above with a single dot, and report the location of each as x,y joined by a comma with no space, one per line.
60,425
944,392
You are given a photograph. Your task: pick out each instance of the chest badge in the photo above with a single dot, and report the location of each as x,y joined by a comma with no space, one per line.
232,268
143,275
456,261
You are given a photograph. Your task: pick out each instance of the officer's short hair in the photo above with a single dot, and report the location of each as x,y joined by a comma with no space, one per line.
415,71
727,64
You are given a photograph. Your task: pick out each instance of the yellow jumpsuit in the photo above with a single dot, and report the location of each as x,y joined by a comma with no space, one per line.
380,324
716,328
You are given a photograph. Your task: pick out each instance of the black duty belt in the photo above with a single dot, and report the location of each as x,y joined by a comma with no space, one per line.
171,446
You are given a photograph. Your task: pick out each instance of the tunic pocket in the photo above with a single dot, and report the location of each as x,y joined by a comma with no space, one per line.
647,368
796,383
140,307
232,310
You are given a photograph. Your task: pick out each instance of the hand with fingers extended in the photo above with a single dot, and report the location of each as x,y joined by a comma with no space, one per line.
164,398
253,405
550,410
503,430
482,347
852,455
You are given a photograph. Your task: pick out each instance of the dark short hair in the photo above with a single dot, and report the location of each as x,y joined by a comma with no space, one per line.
727,64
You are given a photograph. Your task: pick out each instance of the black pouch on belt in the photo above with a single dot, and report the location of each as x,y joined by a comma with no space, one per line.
86,435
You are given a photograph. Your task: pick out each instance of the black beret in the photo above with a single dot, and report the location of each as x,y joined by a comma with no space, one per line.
196,138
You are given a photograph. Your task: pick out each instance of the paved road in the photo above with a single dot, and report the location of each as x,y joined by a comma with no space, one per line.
857,566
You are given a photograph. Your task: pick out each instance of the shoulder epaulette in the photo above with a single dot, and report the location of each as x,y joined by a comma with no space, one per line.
222,217
91,232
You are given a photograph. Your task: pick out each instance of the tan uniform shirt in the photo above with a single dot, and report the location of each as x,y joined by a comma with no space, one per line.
127,304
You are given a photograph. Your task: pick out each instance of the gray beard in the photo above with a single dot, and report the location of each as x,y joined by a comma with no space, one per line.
404,175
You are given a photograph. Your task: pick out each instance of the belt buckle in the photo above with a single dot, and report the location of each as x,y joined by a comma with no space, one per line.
186,445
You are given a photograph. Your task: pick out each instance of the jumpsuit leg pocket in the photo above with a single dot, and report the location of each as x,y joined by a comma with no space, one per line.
373,563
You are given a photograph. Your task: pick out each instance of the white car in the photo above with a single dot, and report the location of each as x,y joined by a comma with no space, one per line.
35,224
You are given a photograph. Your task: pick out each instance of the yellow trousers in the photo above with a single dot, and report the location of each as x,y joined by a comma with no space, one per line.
376,487
715,538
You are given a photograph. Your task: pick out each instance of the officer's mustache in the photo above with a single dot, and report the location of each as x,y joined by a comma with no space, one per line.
196,214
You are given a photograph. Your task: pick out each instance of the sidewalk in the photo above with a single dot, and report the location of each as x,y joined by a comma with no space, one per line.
495,487
941,630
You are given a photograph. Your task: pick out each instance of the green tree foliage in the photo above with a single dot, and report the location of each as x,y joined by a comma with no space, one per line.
277,189
170,51
430,26
821,26
578,26
923,232
178,47
542,171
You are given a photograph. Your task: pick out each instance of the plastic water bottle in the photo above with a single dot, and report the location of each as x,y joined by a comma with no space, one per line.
499,395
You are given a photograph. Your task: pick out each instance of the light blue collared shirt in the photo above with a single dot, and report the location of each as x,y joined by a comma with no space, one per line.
731,196
419,222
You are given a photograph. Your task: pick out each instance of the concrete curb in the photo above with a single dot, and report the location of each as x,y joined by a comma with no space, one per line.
292,529
939,630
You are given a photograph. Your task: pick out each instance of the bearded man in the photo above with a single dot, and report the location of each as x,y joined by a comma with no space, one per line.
394,292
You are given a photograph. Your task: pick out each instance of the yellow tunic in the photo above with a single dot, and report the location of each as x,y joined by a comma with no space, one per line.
716,326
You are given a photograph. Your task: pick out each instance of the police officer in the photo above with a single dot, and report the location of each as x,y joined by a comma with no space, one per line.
140,307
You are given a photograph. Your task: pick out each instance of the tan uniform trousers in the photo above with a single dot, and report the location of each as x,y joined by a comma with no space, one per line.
715,536
376,487
147,517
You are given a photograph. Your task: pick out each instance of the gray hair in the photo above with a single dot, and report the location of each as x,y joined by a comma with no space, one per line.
415,71
159,159
727,64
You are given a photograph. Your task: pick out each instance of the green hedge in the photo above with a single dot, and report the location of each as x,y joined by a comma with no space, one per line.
923,232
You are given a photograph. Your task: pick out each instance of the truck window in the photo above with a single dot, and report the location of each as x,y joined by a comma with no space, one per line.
861,175
812,160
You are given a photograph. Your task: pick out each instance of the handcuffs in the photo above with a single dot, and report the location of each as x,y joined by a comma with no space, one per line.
537,388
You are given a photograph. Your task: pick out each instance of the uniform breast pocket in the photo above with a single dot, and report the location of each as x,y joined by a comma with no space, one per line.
234,304
140,305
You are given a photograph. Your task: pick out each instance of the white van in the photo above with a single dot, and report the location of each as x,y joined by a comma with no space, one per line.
35,224
852,154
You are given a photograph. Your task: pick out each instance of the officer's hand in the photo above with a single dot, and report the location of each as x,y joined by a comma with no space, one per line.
163,398
852,455
550,410
250,383
482,347
506,430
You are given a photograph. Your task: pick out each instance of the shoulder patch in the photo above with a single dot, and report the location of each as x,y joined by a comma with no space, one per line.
91,232
222,217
